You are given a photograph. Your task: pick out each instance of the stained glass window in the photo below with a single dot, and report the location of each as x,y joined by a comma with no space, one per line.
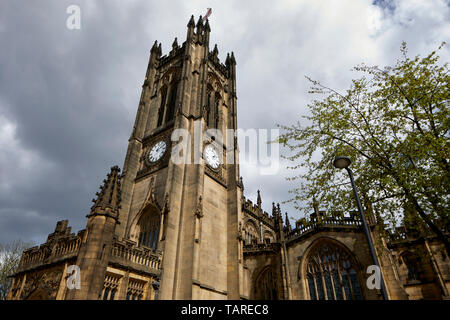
331,272
149,224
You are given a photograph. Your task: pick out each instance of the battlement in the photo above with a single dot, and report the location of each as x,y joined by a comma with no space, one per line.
256,211
60,245
323,222
257,248
402,235
128,255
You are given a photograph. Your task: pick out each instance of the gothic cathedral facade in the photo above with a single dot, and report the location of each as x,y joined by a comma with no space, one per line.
166,229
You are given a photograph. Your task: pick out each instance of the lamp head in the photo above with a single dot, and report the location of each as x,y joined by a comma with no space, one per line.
341,162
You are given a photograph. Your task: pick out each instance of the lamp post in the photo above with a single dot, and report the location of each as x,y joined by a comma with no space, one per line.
344,163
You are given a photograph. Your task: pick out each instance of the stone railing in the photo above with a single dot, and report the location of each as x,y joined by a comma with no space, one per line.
143,257
315,224
401,234
64,247
260,247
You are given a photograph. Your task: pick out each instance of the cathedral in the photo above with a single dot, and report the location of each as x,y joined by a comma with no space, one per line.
165,229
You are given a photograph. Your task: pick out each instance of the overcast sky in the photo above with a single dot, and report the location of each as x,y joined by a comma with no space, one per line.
68,98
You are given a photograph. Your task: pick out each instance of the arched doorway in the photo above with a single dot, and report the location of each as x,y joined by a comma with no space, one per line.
266,285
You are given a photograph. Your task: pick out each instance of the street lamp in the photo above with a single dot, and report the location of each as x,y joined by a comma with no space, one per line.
344,163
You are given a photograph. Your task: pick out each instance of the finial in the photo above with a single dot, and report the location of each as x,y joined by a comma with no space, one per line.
207,28
232,59
155,46
191,22
200,22
110,195
215,50
175,44
258,200
159,49
288,224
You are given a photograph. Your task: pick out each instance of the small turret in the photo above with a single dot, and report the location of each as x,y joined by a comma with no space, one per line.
191,23
175,44
287,223
154,48
258,200
159,49
199,25
232,59
227,60
191,26
215,51
109,198
206,26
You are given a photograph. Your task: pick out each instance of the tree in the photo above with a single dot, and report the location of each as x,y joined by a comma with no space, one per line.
10,254
393,123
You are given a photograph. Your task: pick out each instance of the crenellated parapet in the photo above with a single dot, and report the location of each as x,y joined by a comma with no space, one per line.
260,248
402,235
127,255
257,213
323,222
61,245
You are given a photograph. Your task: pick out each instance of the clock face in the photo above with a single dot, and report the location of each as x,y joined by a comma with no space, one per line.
211,156
157,151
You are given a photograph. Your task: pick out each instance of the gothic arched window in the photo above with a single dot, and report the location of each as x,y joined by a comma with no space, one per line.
148,225
161,106
208,106
331,274
412,264
172,101
216,110
251,233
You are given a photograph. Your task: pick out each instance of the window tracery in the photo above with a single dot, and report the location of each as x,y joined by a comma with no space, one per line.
149,225
331,274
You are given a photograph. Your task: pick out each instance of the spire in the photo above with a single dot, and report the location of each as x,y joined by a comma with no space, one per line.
288,224
159,49
175,44
258,200
207,28
215,50
232,60
274,209
191,23
227,60
199,25
109,197
154,47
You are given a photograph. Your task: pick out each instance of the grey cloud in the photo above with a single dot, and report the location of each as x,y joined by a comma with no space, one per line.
72,95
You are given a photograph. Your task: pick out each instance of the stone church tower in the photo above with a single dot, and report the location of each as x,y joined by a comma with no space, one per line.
174,224
193,204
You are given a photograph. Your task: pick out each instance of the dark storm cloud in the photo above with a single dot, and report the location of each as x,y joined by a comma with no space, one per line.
66,92
68,98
